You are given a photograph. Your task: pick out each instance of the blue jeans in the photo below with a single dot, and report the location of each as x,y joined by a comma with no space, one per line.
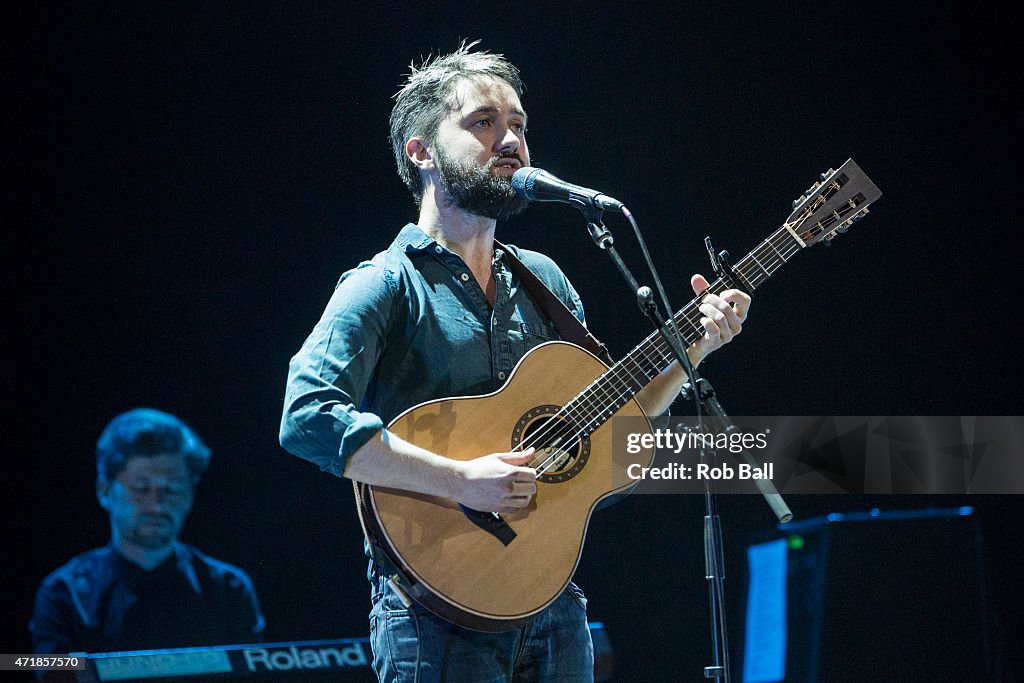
414,645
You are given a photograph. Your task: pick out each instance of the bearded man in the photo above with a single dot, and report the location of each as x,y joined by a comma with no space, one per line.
441,313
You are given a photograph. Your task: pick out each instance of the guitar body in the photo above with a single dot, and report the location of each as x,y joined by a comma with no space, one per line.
465,573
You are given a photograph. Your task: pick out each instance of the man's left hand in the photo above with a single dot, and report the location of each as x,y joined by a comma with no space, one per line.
722,317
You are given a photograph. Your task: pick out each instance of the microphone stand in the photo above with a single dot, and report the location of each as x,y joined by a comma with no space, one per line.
706,401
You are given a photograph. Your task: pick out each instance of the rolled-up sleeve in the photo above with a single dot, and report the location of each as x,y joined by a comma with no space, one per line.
328,377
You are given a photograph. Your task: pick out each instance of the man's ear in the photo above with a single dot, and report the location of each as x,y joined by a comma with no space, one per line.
417,152
103,493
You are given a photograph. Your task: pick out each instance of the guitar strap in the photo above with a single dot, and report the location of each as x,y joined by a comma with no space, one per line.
569,327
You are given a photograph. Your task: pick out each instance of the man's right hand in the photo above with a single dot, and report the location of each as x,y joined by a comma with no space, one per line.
498,482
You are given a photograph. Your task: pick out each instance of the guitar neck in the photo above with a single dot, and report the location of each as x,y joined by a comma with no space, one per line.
651,356
616,387
827,208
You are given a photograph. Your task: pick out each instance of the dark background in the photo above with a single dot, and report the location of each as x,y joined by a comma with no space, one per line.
189,180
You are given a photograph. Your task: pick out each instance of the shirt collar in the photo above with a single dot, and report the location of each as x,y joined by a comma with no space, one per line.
411,239
136,575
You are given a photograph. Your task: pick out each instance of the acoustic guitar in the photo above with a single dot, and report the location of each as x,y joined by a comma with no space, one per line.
493,572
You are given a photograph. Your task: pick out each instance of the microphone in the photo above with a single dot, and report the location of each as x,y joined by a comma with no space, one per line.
540,186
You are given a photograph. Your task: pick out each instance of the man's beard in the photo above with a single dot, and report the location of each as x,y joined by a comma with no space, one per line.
478,190
152,536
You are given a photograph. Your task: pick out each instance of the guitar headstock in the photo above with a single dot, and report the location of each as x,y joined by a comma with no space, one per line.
831,205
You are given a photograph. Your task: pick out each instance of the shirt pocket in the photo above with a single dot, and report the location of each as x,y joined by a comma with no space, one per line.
525,336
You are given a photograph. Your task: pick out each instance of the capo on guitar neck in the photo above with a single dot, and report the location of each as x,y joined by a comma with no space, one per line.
723,269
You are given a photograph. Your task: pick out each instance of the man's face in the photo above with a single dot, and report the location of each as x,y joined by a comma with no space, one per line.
480,144
149,499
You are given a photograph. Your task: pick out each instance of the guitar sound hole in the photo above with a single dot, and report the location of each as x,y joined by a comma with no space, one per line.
561,451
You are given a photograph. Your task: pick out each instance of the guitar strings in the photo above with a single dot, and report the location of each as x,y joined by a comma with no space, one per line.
589,394
692,316
566,427
582,400
662,351
661,348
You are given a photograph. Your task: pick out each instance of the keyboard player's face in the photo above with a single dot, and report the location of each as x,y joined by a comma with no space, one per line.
149,500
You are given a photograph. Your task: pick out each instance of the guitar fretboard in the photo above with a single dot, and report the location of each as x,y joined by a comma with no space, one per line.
829,207
606,395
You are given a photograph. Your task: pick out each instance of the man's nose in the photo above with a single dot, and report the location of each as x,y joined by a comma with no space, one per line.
156,500
509,141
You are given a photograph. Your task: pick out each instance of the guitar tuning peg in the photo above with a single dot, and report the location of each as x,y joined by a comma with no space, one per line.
827,173
796,202
812,189
827,241
843,228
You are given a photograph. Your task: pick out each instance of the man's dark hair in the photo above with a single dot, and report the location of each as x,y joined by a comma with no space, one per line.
148,432
427,97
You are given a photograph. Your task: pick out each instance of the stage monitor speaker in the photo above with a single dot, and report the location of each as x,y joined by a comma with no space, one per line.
872,596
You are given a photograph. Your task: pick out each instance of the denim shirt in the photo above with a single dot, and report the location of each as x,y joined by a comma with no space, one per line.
410,325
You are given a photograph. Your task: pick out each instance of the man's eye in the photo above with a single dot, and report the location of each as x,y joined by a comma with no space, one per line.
483,123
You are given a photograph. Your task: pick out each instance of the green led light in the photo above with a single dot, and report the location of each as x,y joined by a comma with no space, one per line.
795,542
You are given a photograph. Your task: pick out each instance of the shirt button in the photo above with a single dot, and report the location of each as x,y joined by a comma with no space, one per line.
438,248
501,375
465,277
